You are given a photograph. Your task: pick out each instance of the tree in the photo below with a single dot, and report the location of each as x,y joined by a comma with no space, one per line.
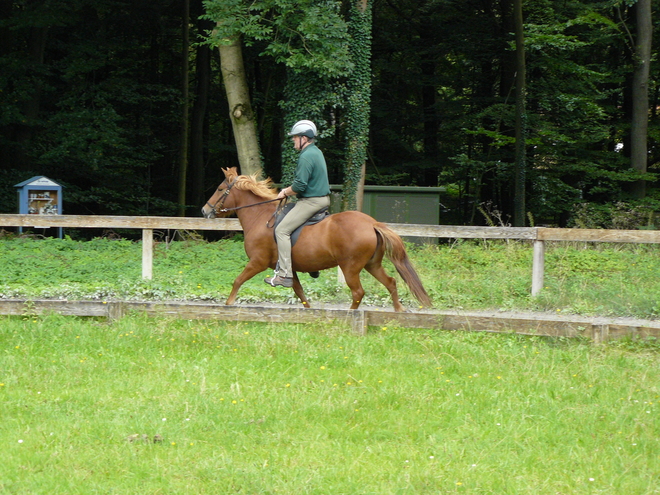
97,106
308,37
199,119
185,107
240,109
231,18
358,108
519,210
640,93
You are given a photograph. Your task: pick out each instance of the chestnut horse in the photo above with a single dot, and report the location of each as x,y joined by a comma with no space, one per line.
351,240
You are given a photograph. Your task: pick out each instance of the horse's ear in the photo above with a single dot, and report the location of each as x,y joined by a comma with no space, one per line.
230,172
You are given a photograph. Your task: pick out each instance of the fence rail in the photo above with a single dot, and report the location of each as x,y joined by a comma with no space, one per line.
597,329
538,235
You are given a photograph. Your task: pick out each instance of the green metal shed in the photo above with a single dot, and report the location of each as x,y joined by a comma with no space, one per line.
399,204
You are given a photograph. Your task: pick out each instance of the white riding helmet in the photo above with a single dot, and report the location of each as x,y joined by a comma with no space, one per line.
304,128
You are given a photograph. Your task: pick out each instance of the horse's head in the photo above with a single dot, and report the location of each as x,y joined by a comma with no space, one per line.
216,203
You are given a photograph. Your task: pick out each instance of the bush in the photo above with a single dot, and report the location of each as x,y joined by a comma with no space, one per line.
619,215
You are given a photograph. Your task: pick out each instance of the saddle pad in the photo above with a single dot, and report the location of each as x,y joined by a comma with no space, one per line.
316,218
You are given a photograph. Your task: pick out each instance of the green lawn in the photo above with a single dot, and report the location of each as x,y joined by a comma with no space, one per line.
258,408
586,279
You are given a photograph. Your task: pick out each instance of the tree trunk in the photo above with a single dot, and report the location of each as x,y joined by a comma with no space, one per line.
23,133
431,122
185,106
199,120
359,195
243,119
640,94
521,120
7,38
6,35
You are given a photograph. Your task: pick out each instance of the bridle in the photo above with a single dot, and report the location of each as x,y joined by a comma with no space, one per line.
221,200
219,204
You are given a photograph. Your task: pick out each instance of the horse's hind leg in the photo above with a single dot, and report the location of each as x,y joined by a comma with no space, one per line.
352,278
377,270
297,288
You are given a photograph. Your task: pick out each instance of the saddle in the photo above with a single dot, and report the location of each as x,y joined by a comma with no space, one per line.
322,214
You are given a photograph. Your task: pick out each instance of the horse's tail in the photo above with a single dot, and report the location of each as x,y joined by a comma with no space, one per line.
396,252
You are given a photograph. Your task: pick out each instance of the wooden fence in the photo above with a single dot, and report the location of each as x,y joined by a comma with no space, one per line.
358,321
537,235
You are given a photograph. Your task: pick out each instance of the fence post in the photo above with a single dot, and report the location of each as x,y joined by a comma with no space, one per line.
147,253
358,322
538,266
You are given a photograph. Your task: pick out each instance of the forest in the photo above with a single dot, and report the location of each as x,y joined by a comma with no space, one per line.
534,112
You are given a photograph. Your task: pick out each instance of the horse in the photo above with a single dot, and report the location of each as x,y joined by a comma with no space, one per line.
351,240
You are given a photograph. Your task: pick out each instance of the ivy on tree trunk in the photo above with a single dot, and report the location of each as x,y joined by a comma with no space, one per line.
359,99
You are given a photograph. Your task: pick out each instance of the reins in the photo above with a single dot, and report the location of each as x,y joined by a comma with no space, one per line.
225,210
277,211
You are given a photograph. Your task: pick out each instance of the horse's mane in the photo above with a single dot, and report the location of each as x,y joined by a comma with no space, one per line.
263,188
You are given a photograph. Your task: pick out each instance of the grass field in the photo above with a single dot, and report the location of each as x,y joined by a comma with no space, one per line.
147,406
258,408
585,279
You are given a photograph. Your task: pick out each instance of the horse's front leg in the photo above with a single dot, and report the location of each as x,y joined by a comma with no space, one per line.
250,270
297,288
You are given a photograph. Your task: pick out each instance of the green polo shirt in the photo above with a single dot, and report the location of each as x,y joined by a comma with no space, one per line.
311,178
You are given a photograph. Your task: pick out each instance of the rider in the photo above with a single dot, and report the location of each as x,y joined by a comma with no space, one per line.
312,187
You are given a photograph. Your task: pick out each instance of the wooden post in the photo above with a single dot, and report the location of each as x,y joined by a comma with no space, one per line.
599,333
538,266
358,322
147,253
115,310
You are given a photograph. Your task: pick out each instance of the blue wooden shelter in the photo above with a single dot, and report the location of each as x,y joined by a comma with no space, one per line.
40,196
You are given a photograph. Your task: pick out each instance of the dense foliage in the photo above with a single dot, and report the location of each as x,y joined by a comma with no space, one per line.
90,96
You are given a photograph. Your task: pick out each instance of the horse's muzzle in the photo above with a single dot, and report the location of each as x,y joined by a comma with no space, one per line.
208,212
